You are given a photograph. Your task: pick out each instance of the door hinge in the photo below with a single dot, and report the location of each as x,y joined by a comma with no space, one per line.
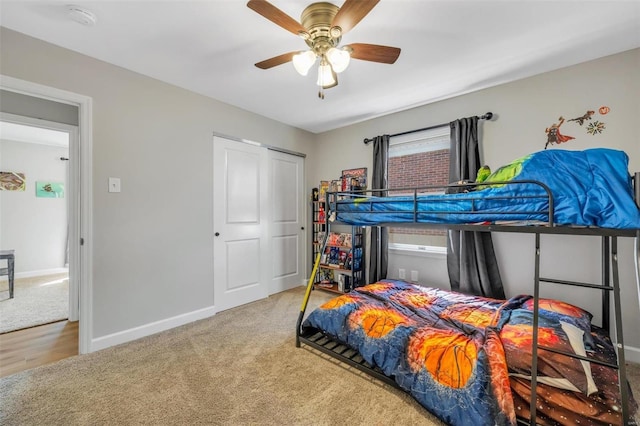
81,241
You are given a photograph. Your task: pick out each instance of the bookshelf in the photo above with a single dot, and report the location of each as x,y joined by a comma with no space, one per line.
341,267
318,221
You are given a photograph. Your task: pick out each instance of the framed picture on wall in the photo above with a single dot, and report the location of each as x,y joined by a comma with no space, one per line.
12,181
50,189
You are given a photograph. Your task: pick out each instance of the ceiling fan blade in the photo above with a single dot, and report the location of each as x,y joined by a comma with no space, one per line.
276,16
374,52
276,60
352,12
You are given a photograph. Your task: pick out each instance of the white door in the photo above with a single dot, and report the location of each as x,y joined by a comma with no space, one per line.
286,221
240,248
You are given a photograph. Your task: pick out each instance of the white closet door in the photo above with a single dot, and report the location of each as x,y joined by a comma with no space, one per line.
240,250
286,221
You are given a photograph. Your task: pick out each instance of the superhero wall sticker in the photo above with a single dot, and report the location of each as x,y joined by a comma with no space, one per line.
586,121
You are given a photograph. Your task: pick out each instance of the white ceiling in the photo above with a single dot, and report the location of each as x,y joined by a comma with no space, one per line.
30,134
449,47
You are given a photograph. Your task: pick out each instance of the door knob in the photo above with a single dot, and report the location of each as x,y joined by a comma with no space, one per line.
302,227
217,234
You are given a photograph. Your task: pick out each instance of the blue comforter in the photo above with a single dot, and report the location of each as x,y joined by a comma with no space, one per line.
590,188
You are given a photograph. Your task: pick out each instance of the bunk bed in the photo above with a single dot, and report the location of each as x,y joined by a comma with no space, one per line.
469,359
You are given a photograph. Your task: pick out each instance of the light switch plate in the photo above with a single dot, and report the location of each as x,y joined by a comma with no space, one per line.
114,184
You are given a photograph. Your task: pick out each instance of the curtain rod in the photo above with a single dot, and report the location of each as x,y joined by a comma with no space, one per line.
486,116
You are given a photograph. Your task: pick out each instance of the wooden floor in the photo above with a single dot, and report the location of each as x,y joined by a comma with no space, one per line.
24,349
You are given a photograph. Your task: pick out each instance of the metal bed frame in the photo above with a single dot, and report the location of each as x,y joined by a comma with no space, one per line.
610,283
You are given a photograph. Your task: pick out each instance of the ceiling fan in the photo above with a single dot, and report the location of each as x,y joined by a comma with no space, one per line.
322,26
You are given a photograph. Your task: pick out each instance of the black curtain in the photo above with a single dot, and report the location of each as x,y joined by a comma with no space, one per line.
471,260
379,236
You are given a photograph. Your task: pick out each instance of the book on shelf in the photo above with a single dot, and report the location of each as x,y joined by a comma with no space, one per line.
340,239
340,282
322,191
326,276
334,255
335,186
342,260
348,261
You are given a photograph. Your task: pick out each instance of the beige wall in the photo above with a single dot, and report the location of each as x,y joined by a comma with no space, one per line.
153,249
523,110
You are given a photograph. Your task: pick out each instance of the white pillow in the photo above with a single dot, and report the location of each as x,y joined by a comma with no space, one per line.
575,336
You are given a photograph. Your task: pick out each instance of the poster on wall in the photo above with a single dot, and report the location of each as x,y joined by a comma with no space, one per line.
12,181
50,189
354,179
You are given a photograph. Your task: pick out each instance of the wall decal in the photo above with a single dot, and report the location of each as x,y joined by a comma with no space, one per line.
553,134
580,120
595,128
12,181
50,189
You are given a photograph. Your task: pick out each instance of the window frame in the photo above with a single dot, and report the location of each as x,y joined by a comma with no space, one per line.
433,139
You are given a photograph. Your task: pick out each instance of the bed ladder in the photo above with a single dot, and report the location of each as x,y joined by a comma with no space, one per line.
609,284
312,279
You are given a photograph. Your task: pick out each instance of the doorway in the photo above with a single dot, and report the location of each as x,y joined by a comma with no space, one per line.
34,220
80,200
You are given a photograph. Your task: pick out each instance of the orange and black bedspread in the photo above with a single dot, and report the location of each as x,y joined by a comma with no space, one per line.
467,359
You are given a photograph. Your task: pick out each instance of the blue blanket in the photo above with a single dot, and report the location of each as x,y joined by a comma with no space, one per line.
589,188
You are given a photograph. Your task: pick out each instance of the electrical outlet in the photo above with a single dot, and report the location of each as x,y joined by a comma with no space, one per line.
414,276
402,274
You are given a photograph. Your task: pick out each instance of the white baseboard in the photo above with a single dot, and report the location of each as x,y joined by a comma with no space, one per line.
149,329
632,354
31,274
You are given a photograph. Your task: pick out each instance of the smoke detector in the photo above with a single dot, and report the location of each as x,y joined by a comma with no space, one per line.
81,15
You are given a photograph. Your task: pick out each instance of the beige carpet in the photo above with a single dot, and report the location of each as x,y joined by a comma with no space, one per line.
240,367
36,301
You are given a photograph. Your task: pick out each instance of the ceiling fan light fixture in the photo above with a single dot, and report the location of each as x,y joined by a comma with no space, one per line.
322,26
303,61
326,76
338,58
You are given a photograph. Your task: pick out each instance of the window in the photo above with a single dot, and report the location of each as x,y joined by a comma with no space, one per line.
416,160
